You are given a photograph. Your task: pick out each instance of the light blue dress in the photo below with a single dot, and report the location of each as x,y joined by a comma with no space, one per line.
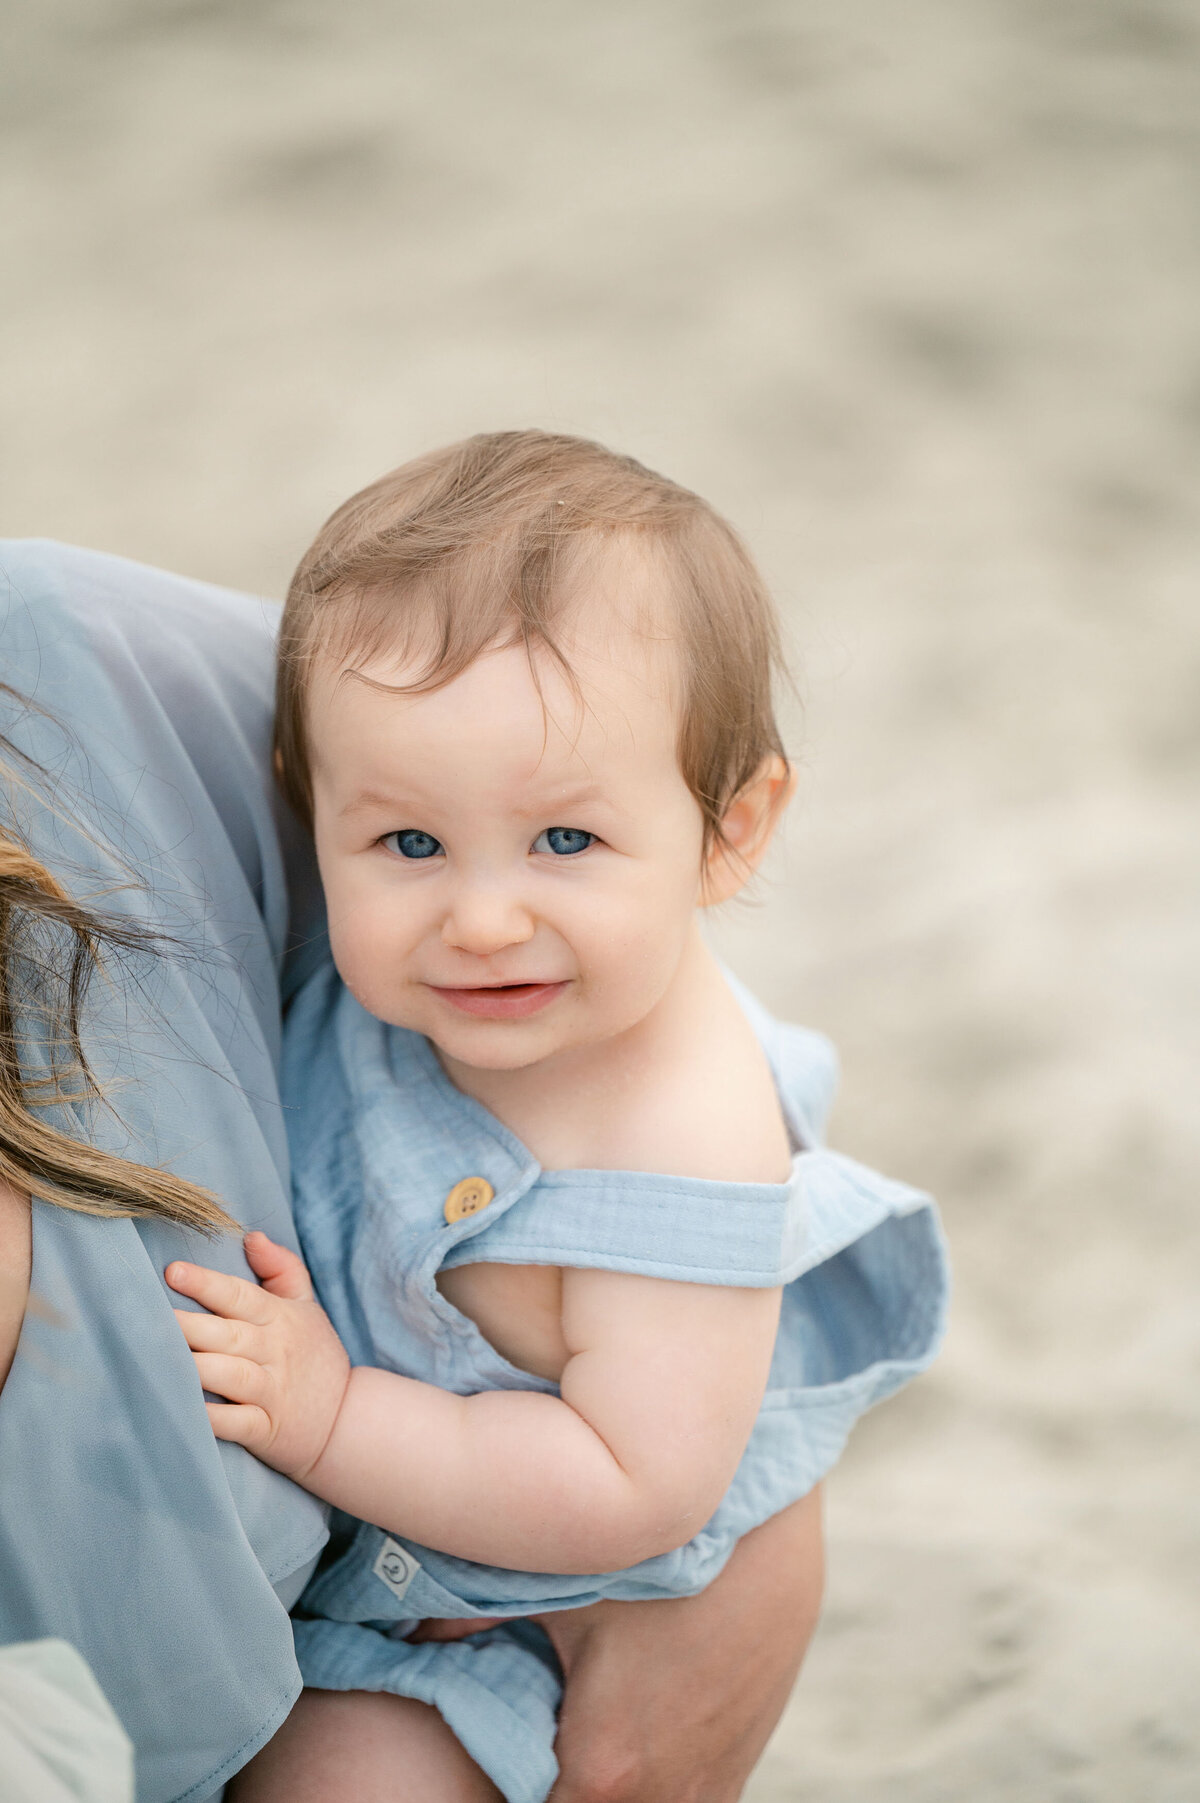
379,1139
167,1558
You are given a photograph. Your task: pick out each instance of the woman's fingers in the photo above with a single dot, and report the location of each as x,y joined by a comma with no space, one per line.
248,1427
220,1293
277,1269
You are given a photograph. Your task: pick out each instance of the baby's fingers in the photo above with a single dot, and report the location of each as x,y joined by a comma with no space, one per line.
248,1427
219,1333
277,1269
237,1379
220,1293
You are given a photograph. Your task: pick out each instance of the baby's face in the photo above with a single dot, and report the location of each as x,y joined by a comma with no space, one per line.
513,874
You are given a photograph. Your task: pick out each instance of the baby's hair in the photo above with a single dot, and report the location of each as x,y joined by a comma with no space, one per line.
475,546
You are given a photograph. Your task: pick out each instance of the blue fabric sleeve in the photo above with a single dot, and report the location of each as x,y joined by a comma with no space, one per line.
125,1528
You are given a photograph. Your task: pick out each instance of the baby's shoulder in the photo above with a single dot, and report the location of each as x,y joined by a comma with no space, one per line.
710,1111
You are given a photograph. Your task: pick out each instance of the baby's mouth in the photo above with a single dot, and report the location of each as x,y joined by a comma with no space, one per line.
501,1001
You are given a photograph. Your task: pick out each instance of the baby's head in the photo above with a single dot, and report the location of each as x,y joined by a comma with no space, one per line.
525,703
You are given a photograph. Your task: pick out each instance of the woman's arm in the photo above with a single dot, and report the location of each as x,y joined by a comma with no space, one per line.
138,775
676,1699
16,1259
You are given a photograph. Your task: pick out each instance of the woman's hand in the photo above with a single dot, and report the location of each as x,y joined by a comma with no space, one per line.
271,1351
672,1702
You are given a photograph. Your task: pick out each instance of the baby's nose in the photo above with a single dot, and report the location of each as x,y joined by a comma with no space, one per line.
485,918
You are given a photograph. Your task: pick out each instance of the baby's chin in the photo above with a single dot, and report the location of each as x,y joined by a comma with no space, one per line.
497,1047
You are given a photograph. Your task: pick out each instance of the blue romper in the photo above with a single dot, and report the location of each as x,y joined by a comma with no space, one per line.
380,1137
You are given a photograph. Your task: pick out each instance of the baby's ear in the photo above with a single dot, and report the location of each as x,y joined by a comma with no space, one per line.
747,828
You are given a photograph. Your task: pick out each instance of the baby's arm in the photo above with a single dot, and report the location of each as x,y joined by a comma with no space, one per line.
659,1395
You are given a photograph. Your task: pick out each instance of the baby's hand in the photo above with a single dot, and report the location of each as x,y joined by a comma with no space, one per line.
271,1350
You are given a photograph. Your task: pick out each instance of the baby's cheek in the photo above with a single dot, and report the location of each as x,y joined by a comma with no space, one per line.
630,973
348,953
376,969
360,953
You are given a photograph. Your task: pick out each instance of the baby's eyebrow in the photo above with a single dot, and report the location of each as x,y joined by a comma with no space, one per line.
372,801
579,795
540,807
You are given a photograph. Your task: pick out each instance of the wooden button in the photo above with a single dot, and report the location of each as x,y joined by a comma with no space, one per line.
467,1198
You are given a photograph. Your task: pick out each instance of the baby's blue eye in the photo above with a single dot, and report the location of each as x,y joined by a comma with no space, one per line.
414,844
563,841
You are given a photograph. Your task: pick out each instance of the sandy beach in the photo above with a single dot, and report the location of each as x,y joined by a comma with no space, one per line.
912,292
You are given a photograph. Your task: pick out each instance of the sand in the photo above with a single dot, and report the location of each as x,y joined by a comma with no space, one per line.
911,291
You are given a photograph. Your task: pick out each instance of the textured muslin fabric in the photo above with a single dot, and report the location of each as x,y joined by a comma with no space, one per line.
165,1557
380,1137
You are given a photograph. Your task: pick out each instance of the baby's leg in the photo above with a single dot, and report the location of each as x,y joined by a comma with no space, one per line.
358,1746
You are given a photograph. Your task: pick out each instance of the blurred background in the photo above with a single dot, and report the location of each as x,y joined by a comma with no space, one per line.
912,292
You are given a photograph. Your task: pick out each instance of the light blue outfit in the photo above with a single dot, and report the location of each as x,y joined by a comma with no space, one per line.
168,1558
379,1138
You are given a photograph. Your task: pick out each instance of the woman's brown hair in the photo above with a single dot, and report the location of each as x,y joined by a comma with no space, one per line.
477,544
51,949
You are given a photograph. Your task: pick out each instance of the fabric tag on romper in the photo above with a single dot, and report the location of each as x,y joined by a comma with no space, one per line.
396,1568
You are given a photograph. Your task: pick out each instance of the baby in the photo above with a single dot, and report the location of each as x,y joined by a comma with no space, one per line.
592,1301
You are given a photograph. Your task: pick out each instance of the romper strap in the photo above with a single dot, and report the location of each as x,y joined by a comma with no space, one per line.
754,1235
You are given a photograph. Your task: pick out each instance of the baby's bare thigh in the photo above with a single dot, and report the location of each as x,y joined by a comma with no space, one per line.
357,1746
